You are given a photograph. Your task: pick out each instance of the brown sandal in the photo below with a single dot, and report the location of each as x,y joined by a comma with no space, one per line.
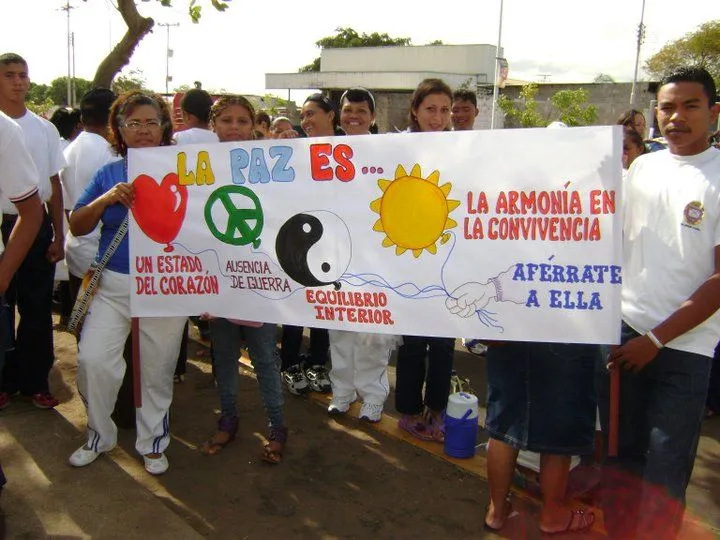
227,429
275,447
580,520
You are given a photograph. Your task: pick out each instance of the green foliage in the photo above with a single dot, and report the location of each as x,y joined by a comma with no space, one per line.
195,10
699,48
524,114
436,42
57,91
134,80
347,37
603,78
37,99
572,107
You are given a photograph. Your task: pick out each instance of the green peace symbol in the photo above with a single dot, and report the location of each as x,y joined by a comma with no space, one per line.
238,218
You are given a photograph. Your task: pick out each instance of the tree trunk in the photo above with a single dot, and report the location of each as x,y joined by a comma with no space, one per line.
119,57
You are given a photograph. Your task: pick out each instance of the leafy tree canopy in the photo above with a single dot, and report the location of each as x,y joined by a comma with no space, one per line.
603,78
347,37
133,80
699,48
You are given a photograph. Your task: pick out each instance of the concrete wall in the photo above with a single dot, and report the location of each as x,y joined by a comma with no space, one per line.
611,99
461,59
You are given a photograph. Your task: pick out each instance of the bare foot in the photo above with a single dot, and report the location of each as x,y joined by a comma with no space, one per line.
494,519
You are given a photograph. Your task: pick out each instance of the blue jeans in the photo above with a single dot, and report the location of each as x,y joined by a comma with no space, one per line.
261,348
541,396
661,409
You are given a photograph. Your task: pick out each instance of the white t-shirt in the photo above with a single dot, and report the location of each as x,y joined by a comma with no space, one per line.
85,155
43,142
671,229
18,175
195,136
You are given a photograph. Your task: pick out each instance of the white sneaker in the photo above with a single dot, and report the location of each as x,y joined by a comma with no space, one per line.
83,456
340,404
371,412
156,466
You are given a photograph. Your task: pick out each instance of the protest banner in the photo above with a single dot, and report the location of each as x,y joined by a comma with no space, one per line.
508,235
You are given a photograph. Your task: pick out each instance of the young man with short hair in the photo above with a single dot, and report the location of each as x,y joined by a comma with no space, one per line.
85,155
28,365
670,295
195,106
464,110
19,184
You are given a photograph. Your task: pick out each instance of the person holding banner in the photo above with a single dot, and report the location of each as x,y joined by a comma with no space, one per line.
318,118
137,120
423,417
359,359
19,184
670,298
233,119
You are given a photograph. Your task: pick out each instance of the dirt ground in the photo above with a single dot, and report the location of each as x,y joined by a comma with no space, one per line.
341,478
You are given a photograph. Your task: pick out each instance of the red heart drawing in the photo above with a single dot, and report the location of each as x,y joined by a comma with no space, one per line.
159,209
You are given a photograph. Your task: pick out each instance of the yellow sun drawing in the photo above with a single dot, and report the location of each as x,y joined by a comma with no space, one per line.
414,211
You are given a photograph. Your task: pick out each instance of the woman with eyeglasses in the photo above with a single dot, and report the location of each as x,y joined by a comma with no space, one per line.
137,120
359,359
232,118
318,118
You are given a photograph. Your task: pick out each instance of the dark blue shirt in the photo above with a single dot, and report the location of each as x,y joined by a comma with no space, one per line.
103,181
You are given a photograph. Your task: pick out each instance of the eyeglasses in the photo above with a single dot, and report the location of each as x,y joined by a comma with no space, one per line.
134,125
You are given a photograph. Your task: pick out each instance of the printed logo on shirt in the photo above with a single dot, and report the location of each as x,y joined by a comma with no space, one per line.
693,213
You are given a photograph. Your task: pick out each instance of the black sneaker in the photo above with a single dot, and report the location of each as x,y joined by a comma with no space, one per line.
317,377
295,380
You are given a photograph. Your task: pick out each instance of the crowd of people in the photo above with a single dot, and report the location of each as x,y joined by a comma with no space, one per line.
542,397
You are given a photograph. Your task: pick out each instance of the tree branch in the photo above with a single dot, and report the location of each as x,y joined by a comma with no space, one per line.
119,57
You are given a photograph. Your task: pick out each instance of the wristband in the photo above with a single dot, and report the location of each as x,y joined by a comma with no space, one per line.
498,289
655,341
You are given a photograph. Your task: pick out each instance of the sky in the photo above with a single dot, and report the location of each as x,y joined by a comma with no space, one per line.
550,40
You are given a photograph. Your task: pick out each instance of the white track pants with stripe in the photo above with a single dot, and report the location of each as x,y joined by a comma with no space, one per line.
359,365
101,367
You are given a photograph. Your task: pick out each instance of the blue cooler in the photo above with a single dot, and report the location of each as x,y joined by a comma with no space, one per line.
461,425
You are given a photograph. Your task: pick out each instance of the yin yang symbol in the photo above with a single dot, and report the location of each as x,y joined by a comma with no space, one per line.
314,248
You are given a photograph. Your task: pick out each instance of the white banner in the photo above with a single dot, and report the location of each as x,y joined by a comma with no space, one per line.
509,235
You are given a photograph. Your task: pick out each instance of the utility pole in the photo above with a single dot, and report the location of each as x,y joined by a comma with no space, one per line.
640,39
67,7
497,69
72,44
168,54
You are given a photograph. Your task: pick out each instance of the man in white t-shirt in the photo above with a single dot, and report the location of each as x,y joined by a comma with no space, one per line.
85,155
195,106
28,365
670,297
19,184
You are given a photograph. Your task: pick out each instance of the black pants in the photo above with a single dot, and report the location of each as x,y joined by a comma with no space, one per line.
411,373
713,399
292,339
28,363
